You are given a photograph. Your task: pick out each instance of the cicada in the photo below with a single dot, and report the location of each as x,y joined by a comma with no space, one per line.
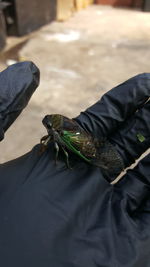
67,135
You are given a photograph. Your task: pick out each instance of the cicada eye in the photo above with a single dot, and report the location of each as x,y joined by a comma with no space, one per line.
47,122
49,125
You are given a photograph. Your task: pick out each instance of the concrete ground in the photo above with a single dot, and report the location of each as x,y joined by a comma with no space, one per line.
79,60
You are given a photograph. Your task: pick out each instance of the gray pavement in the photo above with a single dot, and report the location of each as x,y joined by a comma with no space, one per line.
79,60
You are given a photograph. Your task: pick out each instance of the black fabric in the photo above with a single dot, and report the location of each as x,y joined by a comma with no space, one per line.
109,113
121,116
53,216
17,84
126,140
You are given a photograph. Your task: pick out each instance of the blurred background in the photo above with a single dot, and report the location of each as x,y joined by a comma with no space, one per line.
83,48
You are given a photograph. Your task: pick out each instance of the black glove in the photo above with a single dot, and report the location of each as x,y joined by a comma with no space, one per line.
122,115
17,84
53,216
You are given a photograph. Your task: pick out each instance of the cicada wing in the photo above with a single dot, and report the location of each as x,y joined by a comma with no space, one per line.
84,144
70,125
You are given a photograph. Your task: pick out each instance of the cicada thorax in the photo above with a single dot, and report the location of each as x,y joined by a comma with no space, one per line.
61,123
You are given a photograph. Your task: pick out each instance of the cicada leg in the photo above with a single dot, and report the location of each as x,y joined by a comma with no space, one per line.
57,151
58,142
44,142
67,158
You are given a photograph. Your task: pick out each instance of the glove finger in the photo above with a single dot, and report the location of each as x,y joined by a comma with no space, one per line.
133,139
17,84
116,106
135,186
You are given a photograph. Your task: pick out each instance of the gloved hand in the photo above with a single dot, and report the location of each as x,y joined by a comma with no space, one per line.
122,115
111,134
17,84
53,216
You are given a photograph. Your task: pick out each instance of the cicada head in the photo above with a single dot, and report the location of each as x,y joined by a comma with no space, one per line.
47,122
53,122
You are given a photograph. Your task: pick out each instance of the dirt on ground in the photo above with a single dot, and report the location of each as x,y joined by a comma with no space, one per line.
79,60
